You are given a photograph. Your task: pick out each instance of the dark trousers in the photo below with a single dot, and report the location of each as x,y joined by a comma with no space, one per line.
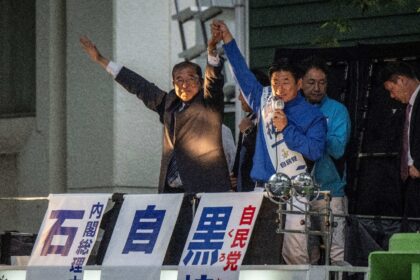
265,244
180,233
412,198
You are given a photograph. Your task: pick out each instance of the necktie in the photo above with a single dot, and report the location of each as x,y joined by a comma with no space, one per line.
172,177
404,155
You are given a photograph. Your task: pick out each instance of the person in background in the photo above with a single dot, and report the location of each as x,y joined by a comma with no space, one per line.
329,171
241,173
403,85
228,146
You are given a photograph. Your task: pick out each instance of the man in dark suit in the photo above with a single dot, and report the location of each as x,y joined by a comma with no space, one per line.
403,85
193,160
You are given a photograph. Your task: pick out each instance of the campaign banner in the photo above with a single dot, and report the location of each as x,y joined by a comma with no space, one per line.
219,236
67,236
141,236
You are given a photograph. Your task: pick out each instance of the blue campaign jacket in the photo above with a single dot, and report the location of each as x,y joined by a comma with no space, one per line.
325,170
306,129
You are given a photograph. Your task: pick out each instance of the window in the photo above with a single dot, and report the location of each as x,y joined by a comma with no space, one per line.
17,58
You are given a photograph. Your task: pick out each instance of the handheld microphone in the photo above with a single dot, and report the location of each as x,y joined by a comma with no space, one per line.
278,104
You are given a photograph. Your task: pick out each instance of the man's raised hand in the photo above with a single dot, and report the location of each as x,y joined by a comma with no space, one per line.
221,26
90,48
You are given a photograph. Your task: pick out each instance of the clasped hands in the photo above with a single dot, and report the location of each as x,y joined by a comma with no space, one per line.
219,32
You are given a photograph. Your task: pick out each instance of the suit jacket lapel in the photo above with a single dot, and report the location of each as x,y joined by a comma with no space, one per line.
171,107
414,112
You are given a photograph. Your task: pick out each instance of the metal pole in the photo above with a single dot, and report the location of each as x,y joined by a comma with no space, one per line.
202,24
307,228
328,220
193,204
241,39
364,109
57,88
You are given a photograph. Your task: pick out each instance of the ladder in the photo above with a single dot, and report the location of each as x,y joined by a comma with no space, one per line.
200,14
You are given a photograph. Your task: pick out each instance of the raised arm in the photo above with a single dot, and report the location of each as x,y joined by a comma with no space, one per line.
249,85
94,54
214,78
152,96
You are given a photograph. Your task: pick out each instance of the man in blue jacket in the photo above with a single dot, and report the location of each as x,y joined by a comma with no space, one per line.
329,170
289,137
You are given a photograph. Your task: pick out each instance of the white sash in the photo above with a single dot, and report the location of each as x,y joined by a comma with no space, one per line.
290,163
283,159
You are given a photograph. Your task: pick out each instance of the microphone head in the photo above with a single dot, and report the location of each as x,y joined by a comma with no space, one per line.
278,104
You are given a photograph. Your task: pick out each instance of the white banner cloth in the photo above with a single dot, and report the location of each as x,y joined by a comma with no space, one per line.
219,236
141,236
67,235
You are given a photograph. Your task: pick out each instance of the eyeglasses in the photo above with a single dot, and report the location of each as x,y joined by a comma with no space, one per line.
187,81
